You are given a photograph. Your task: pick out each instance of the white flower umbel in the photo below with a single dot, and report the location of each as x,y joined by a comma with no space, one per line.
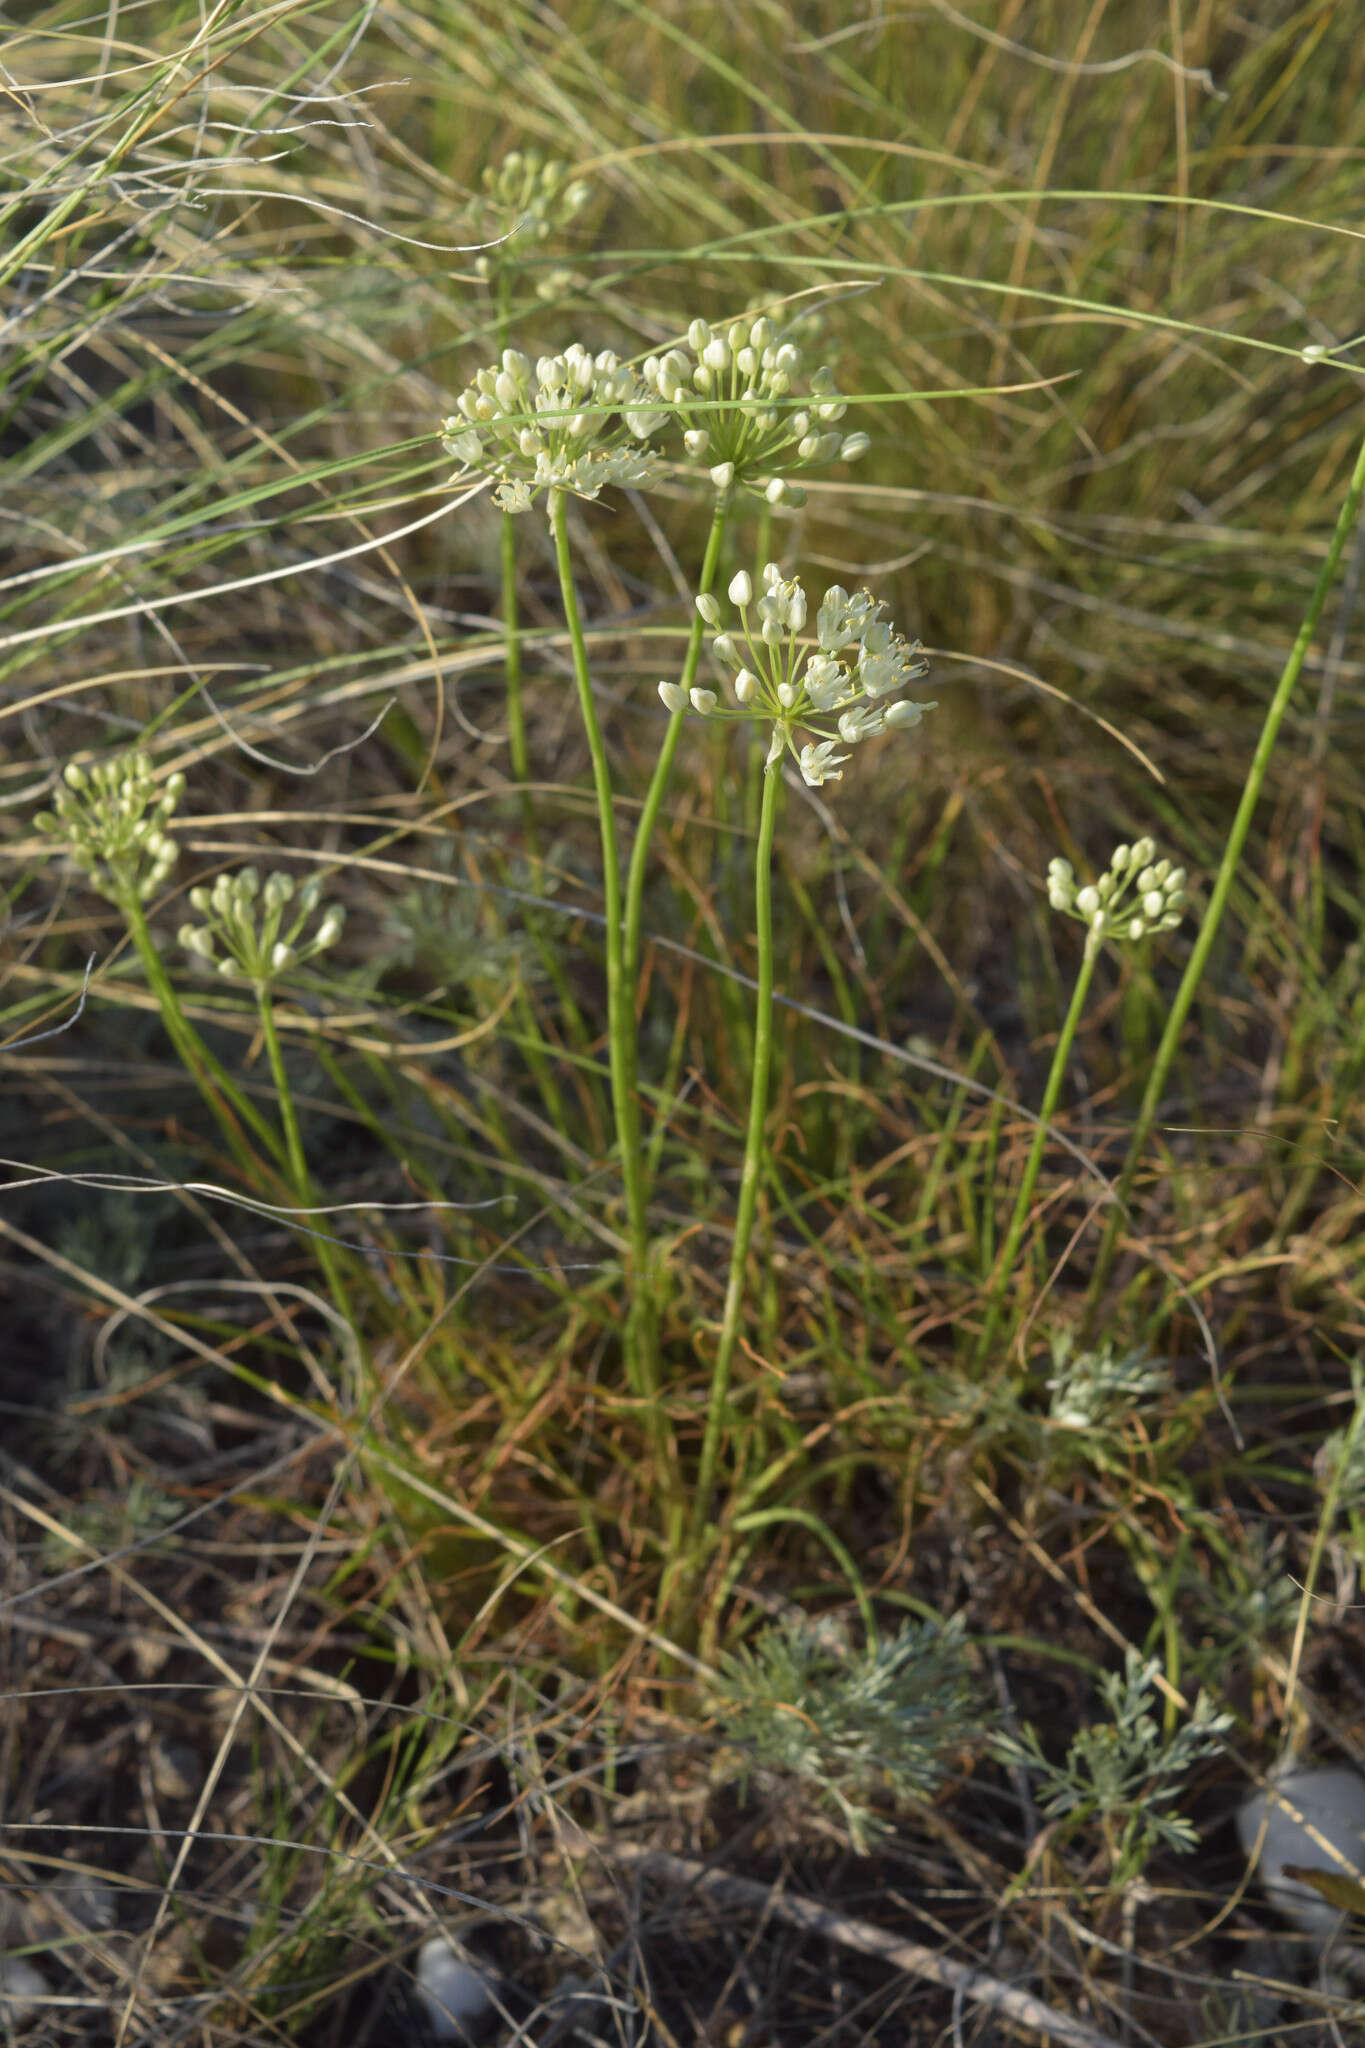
113,818
261,934
749,412
249,923
1136,895
834,691
525,199
574,422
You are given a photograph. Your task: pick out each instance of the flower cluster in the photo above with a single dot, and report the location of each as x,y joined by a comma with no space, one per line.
113,819
567,425
738,397
526,198
858,661
256,944
1135,896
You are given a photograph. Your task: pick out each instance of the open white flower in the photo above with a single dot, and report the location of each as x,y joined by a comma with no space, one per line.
832,691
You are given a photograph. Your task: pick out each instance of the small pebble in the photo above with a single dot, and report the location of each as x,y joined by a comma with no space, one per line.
456,1999
1332,1803
21,1987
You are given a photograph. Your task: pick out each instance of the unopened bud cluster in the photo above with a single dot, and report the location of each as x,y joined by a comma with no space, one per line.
249,924
527,197
572,423
1136,895
835,691
748,411
113,818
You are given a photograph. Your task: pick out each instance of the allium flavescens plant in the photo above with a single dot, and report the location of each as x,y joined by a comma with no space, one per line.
574,425
1135,896
111,821
525,199
257,935
846,678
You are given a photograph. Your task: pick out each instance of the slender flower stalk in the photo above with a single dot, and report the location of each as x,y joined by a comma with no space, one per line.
858,661
642,1356
755,1153
1137,895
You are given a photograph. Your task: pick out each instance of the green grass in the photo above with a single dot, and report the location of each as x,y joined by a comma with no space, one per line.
454,1452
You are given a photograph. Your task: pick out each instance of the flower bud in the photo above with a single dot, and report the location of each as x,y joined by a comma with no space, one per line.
746,683
703,700
696,441
741,589
1088,902
723,475
854,445
709,608
674,696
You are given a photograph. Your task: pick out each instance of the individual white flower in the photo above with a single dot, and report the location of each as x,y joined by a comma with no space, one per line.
779,678
820,764
574,425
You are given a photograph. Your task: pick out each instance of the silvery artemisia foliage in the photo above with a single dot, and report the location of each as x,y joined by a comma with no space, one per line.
1136,895
747,409
249,924
575,423
835,690
113,818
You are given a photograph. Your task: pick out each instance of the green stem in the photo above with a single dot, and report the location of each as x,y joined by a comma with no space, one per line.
1222,888
641,1353
1024,1199
754,1154
301,1181
231,1108
658,783
511,657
